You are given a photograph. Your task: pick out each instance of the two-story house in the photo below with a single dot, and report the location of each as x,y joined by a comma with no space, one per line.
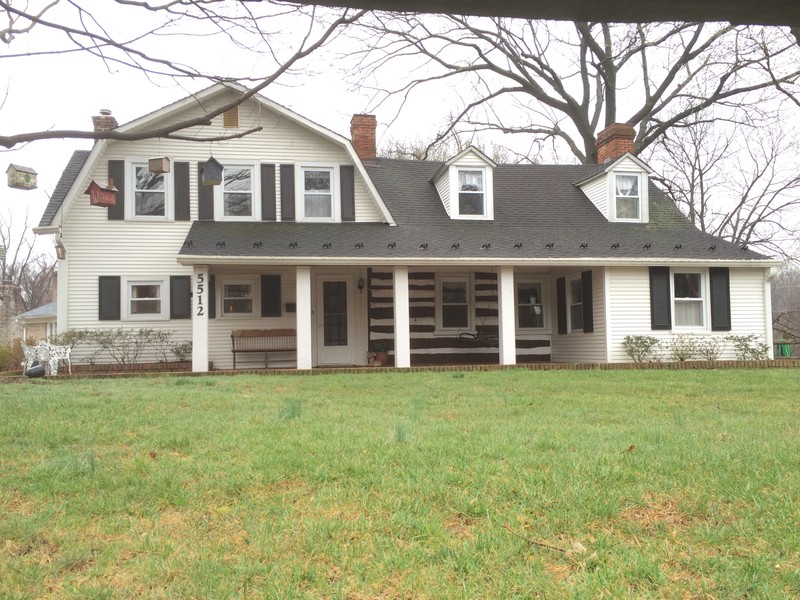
458,262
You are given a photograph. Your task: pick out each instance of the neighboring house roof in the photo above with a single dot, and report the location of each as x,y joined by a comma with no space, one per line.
65,183
534,206
45,311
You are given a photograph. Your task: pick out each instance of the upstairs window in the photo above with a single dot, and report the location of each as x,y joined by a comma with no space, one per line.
688,297
318,194
471,199
628,196
237,192
149,192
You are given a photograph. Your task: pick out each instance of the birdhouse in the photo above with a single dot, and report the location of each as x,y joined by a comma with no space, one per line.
212,172
102,193
158,165
21,178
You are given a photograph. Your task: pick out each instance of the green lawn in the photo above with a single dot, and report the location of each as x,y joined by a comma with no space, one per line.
504,484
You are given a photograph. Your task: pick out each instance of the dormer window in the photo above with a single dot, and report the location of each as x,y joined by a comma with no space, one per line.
471,200
628,196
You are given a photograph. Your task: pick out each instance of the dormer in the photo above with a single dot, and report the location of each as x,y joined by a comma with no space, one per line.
465,184
619,188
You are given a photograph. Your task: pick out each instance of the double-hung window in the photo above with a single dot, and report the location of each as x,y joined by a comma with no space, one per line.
454,312
628,196
237,192
238,297
530,307
687,291
149,192
471,196
576,305
144,299
317,193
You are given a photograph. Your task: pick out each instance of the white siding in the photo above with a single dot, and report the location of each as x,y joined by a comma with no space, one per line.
629,299
576,346
443,187
597,192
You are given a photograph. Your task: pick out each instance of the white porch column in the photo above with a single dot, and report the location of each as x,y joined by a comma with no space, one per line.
402,323
200,295
505,293
304,329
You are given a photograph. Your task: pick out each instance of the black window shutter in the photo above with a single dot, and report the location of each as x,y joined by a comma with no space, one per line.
287,193
116,172
212,297
561,304
181,183
205,200
270,295
109,297
588,302
720,298
348,189
180,297
268,211
660,302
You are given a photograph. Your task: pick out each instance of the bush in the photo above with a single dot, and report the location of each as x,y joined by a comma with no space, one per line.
682,347
642,348
183,351
748,347
11,357
711,348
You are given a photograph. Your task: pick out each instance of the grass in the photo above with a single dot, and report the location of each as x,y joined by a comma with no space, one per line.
505,484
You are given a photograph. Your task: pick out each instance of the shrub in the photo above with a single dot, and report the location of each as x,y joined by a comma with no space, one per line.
183,351
711,348
642,348
682,347
11,356
748,347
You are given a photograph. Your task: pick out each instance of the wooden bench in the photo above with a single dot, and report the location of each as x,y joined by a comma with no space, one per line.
263,340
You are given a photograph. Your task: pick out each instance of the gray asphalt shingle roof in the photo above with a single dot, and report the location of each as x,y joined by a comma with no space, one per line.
538,214
63,186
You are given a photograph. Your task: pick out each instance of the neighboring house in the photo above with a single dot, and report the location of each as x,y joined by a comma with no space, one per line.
308,230
39,323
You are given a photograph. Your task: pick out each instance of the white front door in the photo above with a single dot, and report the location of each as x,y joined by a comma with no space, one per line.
334,320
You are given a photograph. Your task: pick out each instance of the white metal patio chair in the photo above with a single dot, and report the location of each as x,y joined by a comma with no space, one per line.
59,354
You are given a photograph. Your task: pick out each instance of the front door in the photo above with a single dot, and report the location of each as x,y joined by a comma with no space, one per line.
334,320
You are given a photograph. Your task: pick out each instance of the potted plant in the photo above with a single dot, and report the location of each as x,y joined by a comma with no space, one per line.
380,350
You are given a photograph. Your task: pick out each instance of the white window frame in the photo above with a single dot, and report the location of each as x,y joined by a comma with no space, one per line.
488,192
468,281
255,190
527,280
570,324
300,197
255,286
644,201
704,299
130,192
163,314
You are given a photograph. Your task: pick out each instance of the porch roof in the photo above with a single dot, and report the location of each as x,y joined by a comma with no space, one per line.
541,216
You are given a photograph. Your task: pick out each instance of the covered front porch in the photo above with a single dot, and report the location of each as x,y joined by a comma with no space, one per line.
422,315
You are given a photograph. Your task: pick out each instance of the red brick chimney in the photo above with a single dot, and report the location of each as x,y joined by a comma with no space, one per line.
362,134
614,141
104,121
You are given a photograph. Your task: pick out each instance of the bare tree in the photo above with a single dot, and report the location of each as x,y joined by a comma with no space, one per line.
735,181
786,305
162,40
569,81
28,275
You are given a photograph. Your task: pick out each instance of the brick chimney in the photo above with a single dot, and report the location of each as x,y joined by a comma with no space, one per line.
104,121
362,134
614,141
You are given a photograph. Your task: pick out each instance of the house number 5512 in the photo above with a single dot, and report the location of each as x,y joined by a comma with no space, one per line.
200,292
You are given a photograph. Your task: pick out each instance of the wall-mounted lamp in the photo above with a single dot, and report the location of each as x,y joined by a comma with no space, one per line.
61,252
360,284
